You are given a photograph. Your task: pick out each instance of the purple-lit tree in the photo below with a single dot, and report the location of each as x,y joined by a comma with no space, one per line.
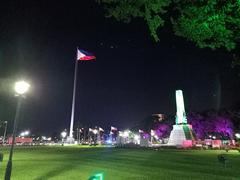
223,126
210,123
197,122
162,130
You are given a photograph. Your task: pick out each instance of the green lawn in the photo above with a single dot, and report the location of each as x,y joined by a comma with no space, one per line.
69,163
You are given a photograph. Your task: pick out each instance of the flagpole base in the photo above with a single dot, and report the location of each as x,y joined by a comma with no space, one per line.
70,140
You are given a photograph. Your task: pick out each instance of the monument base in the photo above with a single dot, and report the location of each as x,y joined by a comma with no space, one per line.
180,134
70,140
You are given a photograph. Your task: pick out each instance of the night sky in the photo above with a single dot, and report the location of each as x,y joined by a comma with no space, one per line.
132,78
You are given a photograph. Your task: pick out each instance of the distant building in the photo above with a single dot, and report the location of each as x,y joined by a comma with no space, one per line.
158,117
20,140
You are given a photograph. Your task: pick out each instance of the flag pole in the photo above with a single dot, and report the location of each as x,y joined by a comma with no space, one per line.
73,99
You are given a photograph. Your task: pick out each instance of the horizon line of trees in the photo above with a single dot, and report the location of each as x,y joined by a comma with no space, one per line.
222,124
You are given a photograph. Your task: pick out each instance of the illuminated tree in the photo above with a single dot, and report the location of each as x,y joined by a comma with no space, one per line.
210,123
197,122
150,10
207,23
223,126
162,130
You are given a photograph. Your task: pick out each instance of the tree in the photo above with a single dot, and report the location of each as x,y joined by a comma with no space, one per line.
197,122
149,10
223,126
207,23
162,130
211,122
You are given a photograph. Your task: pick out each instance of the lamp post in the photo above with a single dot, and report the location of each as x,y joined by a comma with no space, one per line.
21,87
5,132
63,134
95,136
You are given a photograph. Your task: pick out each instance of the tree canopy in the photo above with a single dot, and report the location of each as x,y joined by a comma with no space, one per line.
150,10
207,23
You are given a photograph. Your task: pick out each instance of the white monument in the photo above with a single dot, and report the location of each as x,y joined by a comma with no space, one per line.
181,130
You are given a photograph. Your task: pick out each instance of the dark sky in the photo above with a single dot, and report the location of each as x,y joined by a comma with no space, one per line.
132,78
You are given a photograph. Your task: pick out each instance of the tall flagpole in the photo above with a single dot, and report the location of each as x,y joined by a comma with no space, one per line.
73,99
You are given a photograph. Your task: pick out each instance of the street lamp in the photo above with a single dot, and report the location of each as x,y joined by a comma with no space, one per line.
126,133
95,131
237,135
24,133
21,88
5,132
63,134
137,139
95,136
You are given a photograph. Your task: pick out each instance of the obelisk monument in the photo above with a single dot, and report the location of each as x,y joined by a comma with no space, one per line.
181,130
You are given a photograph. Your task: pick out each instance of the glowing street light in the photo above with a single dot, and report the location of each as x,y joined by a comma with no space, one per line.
63,134
237,135
120,133
126,133
44,138
24,133
21,88
27,133
136,137
95,131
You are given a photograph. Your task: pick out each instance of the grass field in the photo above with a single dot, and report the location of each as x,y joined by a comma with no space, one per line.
70,163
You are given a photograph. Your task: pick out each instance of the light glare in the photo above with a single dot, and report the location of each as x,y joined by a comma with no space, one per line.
152,133
137,137
237,135
64,134
95,131
25,133
21,87
126,133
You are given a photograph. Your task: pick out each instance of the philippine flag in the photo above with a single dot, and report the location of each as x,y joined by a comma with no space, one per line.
84,55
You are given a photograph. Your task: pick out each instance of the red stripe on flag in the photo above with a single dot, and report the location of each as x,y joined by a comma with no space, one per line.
87,58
